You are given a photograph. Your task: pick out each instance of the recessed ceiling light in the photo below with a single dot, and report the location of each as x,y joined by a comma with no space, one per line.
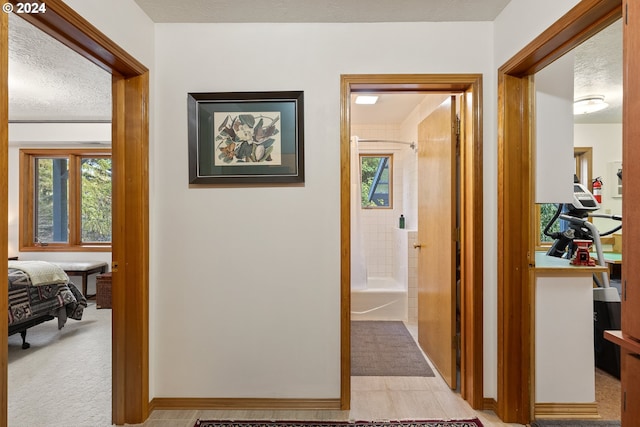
589,104
366,99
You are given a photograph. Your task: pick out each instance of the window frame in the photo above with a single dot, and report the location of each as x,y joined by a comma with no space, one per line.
583,158
391,178
27,199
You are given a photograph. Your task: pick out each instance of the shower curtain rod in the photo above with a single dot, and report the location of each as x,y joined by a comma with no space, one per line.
411,144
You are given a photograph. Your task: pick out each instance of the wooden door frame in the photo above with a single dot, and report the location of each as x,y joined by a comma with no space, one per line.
130,250
516,244
472,216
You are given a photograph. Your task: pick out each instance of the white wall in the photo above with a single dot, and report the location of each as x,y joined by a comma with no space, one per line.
606,141
261,266
564,355
123,22
58,134
554,164
520,22
247,280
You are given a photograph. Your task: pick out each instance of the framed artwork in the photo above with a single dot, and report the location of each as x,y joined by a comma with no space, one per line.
246,137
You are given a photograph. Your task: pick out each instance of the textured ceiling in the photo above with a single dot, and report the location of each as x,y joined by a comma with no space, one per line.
48,81
598,71
321,10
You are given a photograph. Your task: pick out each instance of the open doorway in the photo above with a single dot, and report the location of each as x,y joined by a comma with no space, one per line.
515,245
384,218
469,86
130,88
59,165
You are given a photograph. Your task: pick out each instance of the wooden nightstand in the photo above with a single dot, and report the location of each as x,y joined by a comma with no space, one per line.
103,291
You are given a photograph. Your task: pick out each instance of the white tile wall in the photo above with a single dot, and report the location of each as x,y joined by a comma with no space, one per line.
379,224
389,250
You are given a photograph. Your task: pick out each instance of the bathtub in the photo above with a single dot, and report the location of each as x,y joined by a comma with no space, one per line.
383,299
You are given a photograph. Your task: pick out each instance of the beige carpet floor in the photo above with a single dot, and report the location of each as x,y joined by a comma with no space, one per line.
608,395
64,379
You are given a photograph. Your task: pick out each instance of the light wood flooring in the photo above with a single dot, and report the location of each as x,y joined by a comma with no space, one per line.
372,398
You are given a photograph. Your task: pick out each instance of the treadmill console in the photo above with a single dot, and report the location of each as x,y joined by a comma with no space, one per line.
583,199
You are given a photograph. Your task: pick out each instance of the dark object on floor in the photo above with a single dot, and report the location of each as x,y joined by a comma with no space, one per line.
386,349
606,316
418,423
103,291
575,423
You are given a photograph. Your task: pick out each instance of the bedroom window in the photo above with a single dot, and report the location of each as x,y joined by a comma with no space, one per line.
65,200
375,180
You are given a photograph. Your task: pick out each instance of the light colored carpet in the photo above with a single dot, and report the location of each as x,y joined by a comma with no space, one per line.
608,395
64,379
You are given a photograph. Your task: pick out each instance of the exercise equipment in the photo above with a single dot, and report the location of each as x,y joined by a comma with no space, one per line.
606,299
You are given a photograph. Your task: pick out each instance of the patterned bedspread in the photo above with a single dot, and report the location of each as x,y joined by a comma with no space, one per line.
29,302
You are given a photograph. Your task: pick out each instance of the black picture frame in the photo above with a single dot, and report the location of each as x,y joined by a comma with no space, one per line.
246,137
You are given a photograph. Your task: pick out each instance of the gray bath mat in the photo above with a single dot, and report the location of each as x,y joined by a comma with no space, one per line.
386,349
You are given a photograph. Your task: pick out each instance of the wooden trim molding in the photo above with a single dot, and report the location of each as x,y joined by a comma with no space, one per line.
489,404
515,202
4,206
169,403
345,243
471,204
586,19
130,278
514,194
560,411
130,142
65,25
472,385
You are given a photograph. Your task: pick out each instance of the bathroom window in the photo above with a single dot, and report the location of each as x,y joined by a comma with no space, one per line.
376,180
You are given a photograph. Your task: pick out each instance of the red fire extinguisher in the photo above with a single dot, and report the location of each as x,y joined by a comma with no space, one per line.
597,189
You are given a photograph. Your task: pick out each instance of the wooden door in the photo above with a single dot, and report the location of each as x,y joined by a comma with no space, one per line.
630,385
437,239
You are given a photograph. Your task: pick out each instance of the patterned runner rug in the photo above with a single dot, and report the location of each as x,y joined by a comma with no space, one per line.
418,423
386,349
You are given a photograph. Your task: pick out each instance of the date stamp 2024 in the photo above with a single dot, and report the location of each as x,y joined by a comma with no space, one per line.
28,8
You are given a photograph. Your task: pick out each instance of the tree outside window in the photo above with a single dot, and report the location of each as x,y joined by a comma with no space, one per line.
376,180
67,202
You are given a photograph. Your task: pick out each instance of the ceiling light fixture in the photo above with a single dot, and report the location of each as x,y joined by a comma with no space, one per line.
589,104
366,99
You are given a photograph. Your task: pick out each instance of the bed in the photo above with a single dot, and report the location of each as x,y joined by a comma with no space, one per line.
38,292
